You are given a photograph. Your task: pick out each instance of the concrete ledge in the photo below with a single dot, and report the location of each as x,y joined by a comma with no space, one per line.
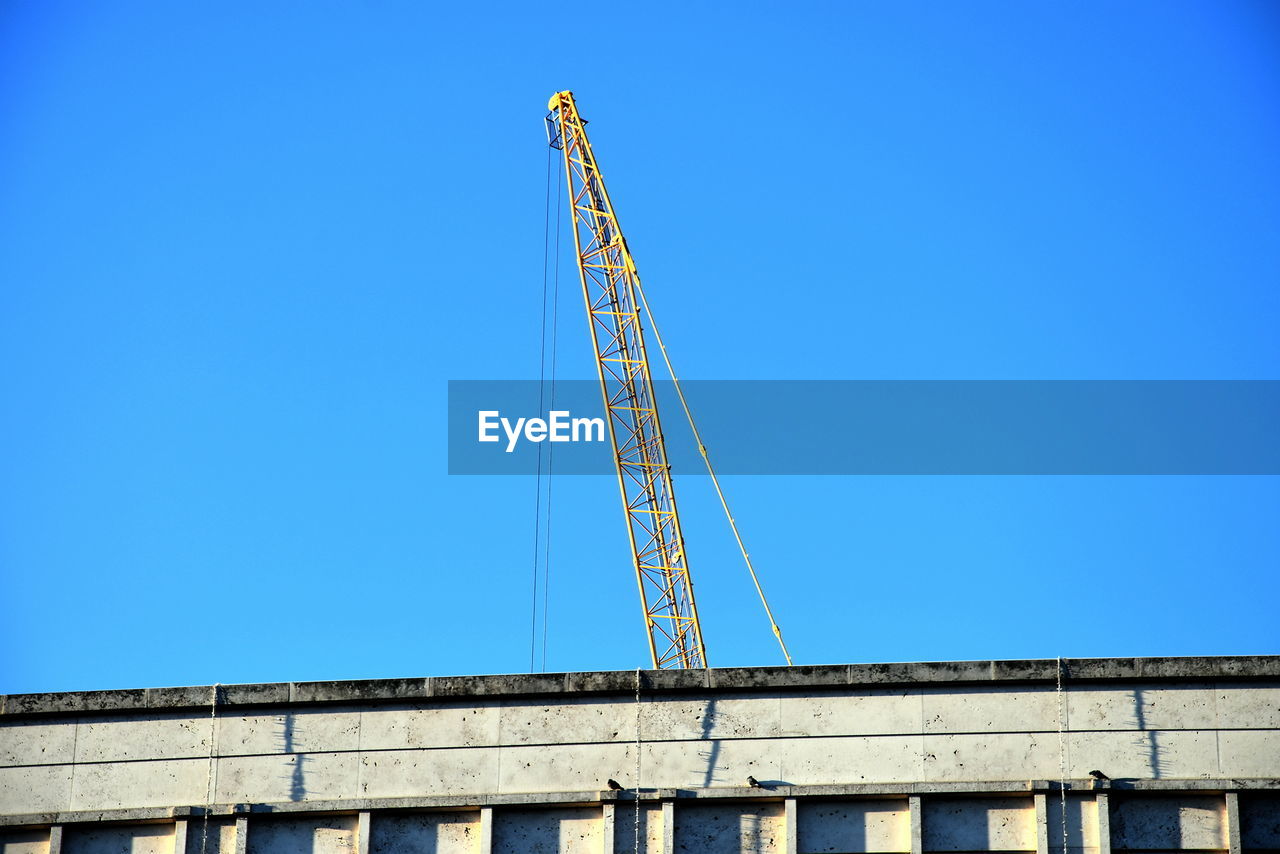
1014,788
623,682
356,691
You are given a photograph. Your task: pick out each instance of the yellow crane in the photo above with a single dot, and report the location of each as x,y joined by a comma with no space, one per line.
614,299
610,287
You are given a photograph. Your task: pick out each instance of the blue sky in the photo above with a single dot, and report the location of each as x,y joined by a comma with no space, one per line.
243,248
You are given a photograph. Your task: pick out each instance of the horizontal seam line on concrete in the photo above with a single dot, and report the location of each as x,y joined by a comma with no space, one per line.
624,743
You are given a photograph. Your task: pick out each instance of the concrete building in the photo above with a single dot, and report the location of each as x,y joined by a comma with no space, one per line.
885,759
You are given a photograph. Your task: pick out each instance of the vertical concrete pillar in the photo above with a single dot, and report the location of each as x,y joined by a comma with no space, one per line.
1042,824
1233,823
363,821
1103,800
915,808
607,826
180,836
793,834
242,834
486,830
55,839
668,827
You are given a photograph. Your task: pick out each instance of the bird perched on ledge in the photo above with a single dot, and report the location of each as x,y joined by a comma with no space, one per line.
754,783
614,784
1098,775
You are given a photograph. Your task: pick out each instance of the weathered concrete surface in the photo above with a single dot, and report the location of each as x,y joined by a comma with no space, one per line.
330,752
731,828
439,832
1169,823
1260,821
884,759
1080,815
1077,671
648,818
992,824
875,826
106,839
574,830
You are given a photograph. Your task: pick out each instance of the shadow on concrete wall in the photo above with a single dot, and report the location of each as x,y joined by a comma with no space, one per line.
625,821
751,839
712,755
1069,810
1147,739
425,833
297,778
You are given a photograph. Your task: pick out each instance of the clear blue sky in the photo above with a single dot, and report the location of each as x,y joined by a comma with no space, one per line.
244,246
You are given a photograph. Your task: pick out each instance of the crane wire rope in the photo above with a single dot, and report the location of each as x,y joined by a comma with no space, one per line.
636,848
715,481
551,451
208,782
1062,755
542,370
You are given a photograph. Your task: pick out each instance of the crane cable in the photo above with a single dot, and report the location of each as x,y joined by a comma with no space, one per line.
551,450
542,374
541,524
715,481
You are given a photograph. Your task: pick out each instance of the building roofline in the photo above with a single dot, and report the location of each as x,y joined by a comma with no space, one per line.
623,682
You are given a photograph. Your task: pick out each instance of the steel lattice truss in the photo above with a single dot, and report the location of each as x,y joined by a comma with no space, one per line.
609,286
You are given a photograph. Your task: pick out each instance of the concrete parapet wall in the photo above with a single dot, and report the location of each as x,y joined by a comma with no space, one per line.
953,757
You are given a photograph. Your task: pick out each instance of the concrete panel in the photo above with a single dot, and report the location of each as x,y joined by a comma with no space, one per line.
433,725
1142,707
36,744
856,713
1081,820
215,836
874,826
1157,755
298,777
1260,820
1249,753
979,824
329,835
426,833
408,773
45,788
798,761
1188,821
575,830
24,842
874,759
312,731
144,737
136,839
710,763
997,756
970,710
731,829
625,819
567,767
710,717
116,785
1256,708
575,721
